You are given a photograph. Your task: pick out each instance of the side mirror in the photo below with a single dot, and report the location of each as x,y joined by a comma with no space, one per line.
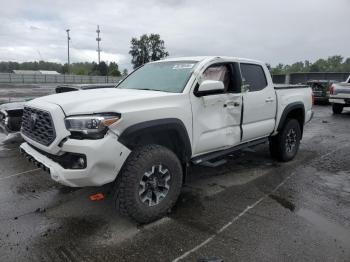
210,87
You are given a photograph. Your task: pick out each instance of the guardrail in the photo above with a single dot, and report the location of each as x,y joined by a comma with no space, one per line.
11,78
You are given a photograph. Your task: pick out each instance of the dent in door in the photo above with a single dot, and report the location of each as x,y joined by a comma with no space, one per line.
211,124
233,119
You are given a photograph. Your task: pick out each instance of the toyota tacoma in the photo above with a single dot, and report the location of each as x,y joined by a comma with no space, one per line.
165,116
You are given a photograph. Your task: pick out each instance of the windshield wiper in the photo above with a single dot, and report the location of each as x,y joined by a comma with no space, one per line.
149,89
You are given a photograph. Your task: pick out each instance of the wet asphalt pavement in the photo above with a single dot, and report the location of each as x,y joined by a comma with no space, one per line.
250,209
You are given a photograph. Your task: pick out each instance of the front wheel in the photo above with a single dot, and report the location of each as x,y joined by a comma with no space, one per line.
285,145
149,183
337,108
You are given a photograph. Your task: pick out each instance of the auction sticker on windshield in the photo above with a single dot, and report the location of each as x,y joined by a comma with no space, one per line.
183,66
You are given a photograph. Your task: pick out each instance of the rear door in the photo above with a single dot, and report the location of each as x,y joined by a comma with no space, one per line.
259,99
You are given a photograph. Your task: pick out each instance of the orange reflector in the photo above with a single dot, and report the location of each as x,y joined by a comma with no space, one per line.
108,122
97,197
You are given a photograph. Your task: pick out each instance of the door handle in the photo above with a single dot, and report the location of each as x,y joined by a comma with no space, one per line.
231,103
269,100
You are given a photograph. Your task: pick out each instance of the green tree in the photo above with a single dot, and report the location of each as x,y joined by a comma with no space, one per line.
146,49
113,69
335,63
346,65
125,72
103,68
279,69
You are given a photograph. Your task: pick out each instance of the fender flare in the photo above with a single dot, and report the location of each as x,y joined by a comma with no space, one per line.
156,126
289,108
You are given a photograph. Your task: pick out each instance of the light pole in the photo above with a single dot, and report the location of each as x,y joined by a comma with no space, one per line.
68,39
98,39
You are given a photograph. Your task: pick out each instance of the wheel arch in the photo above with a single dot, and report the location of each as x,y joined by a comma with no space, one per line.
294,110
168,132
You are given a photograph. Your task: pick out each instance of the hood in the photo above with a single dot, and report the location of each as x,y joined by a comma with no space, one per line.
99,100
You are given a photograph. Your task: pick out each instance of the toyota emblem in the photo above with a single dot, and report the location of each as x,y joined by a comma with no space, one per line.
33,119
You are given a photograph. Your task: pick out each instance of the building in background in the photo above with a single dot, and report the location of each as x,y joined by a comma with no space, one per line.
35,72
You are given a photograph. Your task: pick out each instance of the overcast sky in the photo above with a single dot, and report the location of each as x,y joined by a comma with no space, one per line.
270,30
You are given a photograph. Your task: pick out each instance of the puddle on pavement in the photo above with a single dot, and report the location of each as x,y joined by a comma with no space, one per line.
283,202
332,229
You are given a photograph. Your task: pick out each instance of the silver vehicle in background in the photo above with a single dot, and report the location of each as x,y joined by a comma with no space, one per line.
339,96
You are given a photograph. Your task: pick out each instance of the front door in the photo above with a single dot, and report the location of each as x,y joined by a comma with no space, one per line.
217,117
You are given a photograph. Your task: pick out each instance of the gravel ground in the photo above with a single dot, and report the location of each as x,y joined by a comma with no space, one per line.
250,209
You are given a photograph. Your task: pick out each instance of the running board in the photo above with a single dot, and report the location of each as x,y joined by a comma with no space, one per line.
204,159
214,164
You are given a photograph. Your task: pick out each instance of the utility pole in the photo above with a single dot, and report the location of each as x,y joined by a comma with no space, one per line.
68,39
98,39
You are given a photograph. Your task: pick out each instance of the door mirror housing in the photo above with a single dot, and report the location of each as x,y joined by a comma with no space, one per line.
208,87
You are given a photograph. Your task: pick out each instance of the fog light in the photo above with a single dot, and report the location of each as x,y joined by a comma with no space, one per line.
79,163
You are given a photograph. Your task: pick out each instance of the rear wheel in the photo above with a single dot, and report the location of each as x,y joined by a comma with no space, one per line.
285,145
337,108
149,183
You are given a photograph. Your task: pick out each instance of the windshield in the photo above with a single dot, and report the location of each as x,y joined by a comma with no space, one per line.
163,76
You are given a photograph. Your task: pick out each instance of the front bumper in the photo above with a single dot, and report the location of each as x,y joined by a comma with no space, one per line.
104,159
321,98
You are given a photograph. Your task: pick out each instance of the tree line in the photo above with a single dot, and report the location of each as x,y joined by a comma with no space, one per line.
83,68
334,63
151,47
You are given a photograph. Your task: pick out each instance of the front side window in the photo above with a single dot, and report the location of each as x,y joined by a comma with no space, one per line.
253,77
218,73
162,76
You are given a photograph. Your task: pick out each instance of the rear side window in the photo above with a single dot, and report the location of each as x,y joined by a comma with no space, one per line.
253,77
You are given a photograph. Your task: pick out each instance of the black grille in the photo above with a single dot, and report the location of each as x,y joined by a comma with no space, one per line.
38,125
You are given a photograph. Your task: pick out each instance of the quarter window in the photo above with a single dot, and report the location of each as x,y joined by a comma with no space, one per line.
253,77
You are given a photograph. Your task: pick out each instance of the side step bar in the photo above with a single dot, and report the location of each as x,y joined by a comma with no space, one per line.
206,158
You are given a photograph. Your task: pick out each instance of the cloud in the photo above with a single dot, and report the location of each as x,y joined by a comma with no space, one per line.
270,30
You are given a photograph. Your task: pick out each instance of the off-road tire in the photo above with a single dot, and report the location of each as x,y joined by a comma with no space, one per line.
126,188
337,108
278,143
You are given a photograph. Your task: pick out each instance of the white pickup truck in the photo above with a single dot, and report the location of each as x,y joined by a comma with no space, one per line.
339,96
164,117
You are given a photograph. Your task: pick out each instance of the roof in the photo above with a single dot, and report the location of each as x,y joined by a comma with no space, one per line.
49,72
27,72
36,72
201,58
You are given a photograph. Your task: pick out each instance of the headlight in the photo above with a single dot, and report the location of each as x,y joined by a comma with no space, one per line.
90,126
